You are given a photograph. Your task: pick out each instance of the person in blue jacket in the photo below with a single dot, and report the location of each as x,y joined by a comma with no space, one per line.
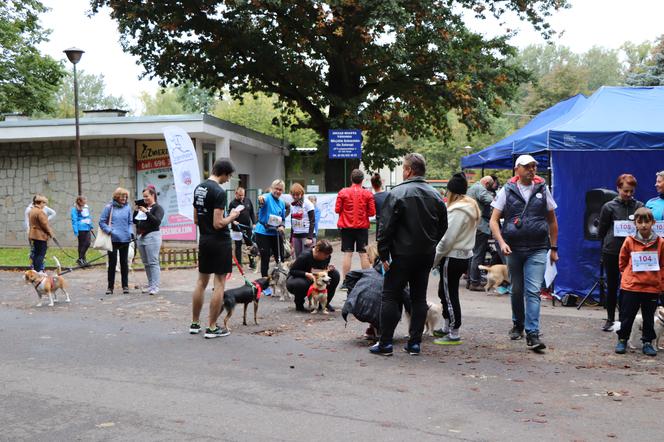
656,205
313,200
270,225
81,223
116,220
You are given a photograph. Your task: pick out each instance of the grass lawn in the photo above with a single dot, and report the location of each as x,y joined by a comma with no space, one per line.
19,256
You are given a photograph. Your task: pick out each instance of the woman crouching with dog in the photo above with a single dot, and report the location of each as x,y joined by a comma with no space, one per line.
116,220
148,218
302,274
39,232
453,254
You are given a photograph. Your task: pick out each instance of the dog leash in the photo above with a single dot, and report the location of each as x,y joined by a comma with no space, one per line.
256,289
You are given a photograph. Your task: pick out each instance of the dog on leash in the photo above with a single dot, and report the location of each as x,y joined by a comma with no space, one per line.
317,294
278,277
434,313
48,285
495,276
244,295
637,329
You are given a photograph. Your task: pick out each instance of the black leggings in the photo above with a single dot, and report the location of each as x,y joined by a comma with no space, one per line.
299,286
83,243
629,307
612,284
123,248
451,270
267,245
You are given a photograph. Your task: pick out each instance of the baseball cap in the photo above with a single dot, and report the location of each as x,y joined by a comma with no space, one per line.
524,160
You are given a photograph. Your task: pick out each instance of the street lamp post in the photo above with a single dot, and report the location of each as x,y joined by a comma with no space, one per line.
74,55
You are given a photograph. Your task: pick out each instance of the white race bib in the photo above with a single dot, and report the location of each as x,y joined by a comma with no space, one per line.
85,212
236,236
274,221
624,228
645,261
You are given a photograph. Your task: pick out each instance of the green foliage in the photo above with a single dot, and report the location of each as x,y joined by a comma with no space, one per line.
386,67
28,79
91,95
163,102
651,72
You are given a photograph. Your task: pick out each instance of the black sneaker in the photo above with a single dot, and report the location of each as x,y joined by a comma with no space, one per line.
382,350
330,308
218,332
412,349
516,333
300,308
125,290
608,325
195,328
440,332
533,342
109,291
80,262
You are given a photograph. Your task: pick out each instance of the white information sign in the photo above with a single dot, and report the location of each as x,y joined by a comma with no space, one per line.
645,262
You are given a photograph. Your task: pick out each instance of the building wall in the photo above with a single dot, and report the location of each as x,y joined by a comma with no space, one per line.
268,168
245,163
49,168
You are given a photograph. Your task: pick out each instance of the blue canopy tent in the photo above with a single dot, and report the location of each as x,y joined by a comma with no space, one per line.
618,130
499,155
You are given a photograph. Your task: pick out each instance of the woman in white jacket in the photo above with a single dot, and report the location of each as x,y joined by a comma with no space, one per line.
453,254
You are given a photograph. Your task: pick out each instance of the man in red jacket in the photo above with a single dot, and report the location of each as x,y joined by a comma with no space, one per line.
354,205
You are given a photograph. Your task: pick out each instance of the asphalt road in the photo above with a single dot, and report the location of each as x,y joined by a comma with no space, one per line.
125,368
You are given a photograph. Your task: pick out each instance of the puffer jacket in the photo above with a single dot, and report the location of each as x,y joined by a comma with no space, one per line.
413,220
459,239
615,210
646,281
354,205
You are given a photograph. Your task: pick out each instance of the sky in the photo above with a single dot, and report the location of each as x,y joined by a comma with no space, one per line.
606,23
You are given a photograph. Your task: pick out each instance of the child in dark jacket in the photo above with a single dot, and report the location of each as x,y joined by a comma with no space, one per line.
640,262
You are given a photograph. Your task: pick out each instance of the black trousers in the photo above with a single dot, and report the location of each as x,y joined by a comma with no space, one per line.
123,248
38,254
299,286
629,307
479,255
414,271
451,270
269,245
246,239
612,283
83,243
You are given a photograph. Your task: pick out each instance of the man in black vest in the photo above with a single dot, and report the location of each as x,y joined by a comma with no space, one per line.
530,228
413,220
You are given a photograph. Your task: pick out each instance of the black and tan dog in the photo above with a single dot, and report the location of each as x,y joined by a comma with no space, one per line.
244,295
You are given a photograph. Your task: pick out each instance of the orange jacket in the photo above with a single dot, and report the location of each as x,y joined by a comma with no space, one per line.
354,205
39,228
645,282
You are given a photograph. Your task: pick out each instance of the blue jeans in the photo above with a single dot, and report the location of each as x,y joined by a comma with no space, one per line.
38,254
527,273
148,246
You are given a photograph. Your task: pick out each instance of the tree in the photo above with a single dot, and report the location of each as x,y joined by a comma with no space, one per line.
163,102
91,95
652,71
385,67
28,79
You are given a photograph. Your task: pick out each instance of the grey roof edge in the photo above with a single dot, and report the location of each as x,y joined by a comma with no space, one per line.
170,119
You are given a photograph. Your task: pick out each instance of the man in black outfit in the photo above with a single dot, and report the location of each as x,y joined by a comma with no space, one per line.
301,274
413,220
246,221
215,254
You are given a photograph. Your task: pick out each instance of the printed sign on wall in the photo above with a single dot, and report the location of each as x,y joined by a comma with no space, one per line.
153,166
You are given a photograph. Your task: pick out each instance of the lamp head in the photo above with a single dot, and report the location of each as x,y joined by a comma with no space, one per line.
74,54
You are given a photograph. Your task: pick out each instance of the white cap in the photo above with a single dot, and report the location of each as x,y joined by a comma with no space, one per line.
524,160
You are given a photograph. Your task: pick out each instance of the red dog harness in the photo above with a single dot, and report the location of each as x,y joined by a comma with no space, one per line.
313,289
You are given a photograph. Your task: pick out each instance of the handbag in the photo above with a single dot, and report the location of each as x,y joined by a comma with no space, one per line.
103,240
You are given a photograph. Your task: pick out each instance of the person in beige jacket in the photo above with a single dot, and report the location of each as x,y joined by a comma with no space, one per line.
39,232
453,254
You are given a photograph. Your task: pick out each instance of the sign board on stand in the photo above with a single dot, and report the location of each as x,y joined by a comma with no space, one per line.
345,143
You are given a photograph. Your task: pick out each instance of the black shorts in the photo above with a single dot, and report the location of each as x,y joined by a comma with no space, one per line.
354,240
215,256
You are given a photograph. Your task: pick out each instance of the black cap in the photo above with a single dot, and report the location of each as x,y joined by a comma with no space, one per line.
458,184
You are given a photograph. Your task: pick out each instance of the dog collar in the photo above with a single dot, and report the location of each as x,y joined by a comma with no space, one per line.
259,290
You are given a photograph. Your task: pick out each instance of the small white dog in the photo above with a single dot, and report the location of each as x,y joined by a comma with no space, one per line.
434,313
278,277
637,329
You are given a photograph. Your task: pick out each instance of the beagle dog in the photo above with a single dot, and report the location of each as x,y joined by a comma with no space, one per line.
45,284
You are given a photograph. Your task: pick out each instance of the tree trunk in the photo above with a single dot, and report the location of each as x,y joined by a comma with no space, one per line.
335,176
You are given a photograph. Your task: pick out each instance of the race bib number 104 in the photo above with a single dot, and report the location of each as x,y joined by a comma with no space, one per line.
645,261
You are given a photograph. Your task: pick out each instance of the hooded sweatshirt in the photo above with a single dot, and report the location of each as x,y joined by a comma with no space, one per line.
459,239
645,281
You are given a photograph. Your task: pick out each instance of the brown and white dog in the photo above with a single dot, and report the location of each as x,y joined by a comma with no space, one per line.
278,277
46,284
495,275
317,293
637,329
